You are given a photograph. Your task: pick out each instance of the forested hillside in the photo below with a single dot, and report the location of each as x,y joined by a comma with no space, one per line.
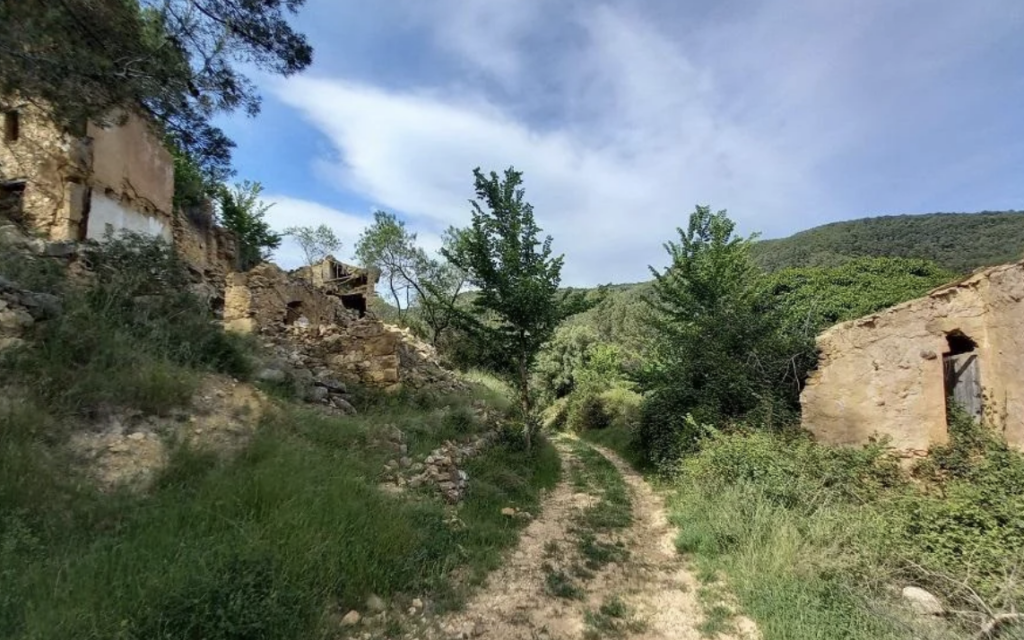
959,242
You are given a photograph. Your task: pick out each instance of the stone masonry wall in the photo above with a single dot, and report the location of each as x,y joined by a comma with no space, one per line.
115,177
315,329
55,169
883,374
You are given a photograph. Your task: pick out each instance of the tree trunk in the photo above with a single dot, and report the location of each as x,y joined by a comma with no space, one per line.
524,398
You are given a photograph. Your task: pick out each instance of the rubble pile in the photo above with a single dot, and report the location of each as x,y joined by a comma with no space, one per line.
309,328
441,469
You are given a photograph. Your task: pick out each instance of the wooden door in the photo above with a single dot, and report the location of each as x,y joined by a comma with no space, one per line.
963,381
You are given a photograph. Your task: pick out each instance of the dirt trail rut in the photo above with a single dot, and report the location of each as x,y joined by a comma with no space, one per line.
644,592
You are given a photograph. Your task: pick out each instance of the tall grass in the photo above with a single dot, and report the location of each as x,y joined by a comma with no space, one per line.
816,542
131,336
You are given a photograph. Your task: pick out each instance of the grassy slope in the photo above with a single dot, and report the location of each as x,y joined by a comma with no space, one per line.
273,543
814,542
259,544
959,242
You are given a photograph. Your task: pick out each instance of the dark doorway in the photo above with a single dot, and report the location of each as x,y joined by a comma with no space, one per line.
962,376
293,312
12,200
12,126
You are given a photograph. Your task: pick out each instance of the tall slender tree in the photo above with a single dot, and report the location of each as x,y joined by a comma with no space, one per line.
516,276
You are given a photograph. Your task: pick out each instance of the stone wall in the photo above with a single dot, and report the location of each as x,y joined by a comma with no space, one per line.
76,188
210,251
313,329
883,374
50,171
266,300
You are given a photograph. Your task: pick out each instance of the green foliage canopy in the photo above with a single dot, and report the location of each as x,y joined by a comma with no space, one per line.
243,213
514,272
958,242
316,242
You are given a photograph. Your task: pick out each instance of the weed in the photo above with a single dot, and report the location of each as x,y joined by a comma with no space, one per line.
251,547
612,619
717,620
551,549
597,554
560,584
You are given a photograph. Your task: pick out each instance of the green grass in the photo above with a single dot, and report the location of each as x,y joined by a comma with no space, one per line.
612,619
617,438
598,476
560,584
267,544
258,545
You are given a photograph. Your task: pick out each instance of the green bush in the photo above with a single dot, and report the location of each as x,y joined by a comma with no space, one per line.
586,413
967,524
794,523
623,407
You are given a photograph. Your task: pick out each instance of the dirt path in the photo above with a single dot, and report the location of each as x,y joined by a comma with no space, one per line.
598,561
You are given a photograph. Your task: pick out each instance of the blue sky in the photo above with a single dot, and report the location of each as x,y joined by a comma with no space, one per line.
625,114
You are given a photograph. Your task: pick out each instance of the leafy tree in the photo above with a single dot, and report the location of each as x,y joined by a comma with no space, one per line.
178,60
818,297
316,242
389,248
243,212
516,276
416,282
717,352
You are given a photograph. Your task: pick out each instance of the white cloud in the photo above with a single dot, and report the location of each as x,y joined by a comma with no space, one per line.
294,212
748,112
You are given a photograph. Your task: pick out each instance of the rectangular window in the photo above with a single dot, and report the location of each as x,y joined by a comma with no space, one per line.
11,126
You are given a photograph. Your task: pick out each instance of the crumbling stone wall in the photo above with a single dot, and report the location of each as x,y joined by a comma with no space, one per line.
883,374
313,328
75,187
210,250
354,286
45,172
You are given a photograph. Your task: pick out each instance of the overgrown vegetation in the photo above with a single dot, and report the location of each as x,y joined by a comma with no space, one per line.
811,537
276,541
516,277
814,542
133,337
424,290
243,213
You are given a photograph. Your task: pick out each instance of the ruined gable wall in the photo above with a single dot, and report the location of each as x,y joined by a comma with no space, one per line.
883,374
116,177
132,180
211,251
332,339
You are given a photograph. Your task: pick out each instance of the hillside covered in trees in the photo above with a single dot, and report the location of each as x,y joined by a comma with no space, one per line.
958,242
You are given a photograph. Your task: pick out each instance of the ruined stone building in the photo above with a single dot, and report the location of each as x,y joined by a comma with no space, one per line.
109,179
891,373
71,187
314,328
354,286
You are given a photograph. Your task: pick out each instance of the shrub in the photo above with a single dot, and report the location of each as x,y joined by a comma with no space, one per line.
131,336
623,407
587,412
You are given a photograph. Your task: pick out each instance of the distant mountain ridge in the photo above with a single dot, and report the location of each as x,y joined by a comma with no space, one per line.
960,242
